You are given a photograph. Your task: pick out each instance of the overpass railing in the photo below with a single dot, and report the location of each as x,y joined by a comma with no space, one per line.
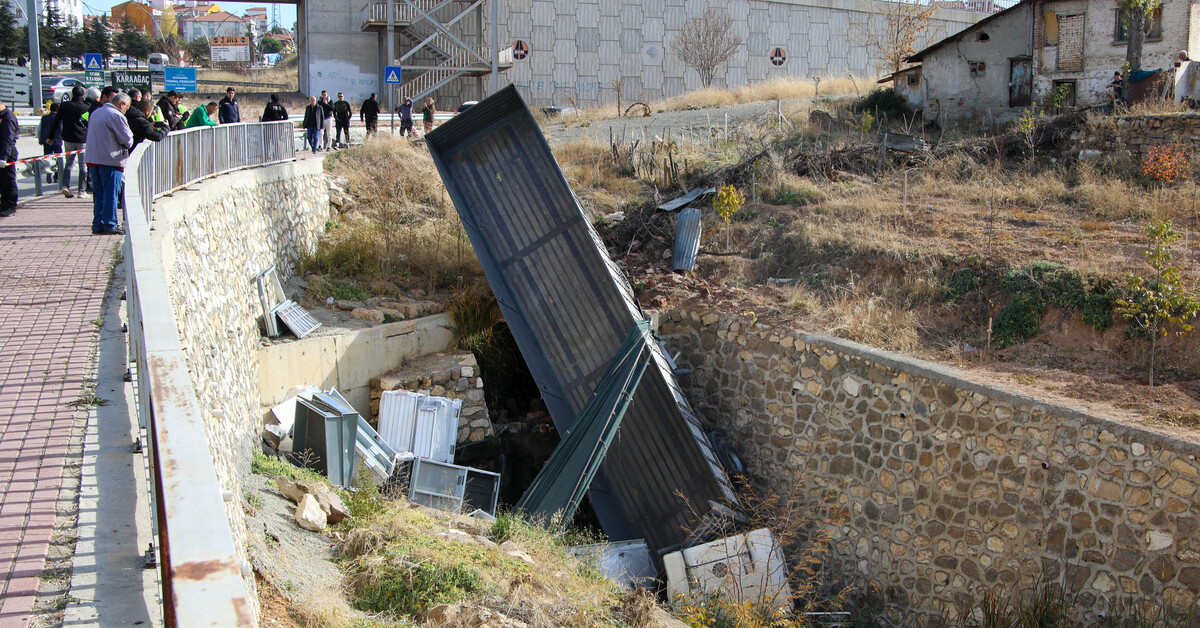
201,574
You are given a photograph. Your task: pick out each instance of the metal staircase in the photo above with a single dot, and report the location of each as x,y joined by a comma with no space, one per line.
446,56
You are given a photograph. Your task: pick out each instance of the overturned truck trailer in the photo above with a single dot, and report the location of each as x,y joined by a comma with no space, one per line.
569,308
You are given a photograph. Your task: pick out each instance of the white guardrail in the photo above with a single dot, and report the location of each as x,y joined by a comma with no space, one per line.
201,574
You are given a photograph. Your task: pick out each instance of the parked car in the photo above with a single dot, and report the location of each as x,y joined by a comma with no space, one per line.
58,88
467,105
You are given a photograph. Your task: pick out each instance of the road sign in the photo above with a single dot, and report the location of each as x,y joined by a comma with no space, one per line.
93,62
179,79
230,48
14,84
520,50
94,78
778,56
391,74
126,79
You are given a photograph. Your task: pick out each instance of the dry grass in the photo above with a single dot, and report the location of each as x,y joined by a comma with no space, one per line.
782,89
1155,107
594,176
285,72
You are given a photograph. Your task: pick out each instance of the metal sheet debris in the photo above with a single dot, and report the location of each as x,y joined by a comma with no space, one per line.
682,201
270,296
296,318
625,562
742,568
569,308
424,425
324,437
445,486
687,240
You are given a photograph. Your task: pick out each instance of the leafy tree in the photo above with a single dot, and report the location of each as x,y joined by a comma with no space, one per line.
131,41
729,201
1161,305
11,43
706,42
197,50
277,30
1136,13
97,37
270,46
51,33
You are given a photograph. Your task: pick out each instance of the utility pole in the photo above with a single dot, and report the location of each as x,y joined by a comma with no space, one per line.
391,47
495,49
35,54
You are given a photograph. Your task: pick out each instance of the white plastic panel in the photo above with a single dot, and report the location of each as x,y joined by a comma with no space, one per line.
398,418
744,567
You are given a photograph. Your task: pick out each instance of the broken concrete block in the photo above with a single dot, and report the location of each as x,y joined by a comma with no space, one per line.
369,315
309,514
484,541
521,556
333,506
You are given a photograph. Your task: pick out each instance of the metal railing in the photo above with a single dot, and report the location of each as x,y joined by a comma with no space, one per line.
201,574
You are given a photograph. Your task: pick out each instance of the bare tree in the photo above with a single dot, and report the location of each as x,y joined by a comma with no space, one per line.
706,42
904,25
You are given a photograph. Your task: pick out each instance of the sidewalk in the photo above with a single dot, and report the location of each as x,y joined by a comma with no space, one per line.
53,276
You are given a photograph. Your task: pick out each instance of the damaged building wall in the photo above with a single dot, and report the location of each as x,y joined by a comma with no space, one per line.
950,487
212,243
1086,51
984,72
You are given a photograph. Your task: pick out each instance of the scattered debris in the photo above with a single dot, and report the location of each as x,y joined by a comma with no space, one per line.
446,486
454,376
744,567
687,240
422,425
625,562
276,307
683,201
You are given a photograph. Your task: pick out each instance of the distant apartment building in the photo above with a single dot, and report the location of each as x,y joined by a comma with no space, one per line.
70,10
216,24
144,17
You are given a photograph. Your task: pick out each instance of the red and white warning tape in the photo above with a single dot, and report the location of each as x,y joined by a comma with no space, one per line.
41,157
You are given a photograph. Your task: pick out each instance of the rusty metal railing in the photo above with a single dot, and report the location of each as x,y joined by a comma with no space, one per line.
202,576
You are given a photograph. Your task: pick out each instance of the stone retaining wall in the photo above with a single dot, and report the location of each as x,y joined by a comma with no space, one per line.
951,488
449,375
1136,134
212,242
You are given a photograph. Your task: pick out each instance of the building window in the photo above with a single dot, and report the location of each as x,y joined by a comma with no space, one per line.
1051,34
914,79
977,68
982,37
1062,96
1153,26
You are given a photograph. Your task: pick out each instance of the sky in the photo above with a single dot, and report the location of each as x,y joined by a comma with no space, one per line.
287,12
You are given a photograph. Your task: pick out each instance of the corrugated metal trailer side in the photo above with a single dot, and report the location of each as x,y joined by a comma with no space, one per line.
569,308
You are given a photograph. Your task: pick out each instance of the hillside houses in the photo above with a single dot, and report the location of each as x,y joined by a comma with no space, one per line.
1008,61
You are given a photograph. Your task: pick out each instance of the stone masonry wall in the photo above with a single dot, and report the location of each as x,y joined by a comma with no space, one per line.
951,488
213,242
449,375
1136,134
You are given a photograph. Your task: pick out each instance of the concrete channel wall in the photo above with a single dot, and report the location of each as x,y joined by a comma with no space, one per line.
951,488
212,241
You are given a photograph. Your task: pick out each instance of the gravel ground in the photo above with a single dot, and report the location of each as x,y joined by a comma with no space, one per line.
697,120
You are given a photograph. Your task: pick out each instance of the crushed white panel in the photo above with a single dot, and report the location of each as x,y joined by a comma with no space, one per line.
423,425
746,567
270,296
296,318
625,562
285,413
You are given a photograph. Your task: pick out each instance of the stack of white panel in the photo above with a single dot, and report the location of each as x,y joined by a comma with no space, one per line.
423,425
744,568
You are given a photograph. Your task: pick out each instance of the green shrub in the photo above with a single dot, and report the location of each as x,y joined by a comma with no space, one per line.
886,102
1020,320
961,282
408,588
263,464
787,195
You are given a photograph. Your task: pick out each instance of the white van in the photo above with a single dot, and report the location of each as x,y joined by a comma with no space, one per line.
158,61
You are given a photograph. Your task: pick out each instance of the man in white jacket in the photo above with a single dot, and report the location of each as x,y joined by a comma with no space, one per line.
109,139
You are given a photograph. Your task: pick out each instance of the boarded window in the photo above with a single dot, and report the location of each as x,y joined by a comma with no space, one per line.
977,68
1070,43
1051,35
1153,25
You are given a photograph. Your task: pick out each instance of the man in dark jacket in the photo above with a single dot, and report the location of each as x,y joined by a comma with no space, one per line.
8,153
341,118
369,113
140,124
326,126
73,121
50,137
406,120
228,112
274,111
169,106
314,120
106,95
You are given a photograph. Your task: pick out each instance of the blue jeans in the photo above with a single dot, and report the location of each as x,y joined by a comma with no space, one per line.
106,184
312,137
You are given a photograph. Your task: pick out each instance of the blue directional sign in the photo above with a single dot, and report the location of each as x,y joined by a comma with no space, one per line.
391,75
179,79
93,62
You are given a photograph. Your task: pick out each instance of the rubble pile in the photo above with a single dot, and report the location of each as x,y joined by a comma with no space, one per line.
317,505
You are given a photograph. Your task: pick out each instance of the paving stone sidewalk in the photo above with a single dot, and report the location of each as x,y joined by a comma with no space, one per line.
53,274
